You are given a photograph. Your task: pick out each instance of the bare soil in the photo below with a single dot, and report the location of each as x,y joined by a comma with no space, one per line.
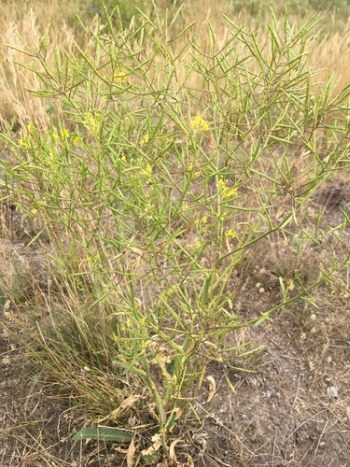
290,407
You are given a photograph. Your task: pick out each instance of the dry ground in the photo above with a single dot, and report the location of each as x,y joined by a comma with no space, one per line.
292,409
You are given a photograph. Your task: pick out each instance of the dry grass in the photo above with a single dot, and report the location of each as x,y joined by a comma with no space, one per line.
23,30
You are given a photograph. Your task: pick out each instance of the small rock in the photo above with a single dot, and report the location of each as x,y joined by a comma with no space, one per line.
333,391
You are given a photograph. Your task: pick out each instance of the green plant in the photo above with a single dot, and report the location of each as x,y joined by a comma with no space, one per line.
166,167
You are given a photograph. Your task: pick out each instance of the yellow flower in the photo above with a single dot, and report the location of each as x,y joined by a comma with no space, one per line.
227,192
185,207
93,258
30,128
34,212
65,134
193,246
77,141
222,184
120,77
144,140
198,124
92,122
230,233
202,221
23,144
147,171
126,325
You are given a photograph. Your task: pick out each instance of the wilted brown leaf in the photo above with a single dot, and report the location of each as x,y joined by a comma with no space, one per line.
212,387
126,404
130,457
172,453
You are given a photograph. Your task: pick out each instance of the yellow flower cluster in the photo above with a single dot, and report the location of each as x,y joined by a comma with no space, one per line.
144,140
31,128
201,224
230,233
202,221
77,140
198,124
147,171
24,143
185,207
120,77
92,122
227,192
193,246
65,135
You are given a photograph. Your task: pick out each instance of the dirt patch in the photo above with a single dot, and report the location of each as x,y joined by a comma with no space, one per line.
290,412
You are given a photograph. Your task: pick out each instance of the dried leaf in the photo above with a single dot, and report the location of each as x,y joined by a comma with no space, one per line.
130,457
157,443
212,387
126,404
172,453
173,458
130,401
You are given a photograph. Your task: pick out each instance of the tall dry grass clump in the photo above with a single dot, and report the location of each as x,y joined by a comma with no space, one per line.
23,43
